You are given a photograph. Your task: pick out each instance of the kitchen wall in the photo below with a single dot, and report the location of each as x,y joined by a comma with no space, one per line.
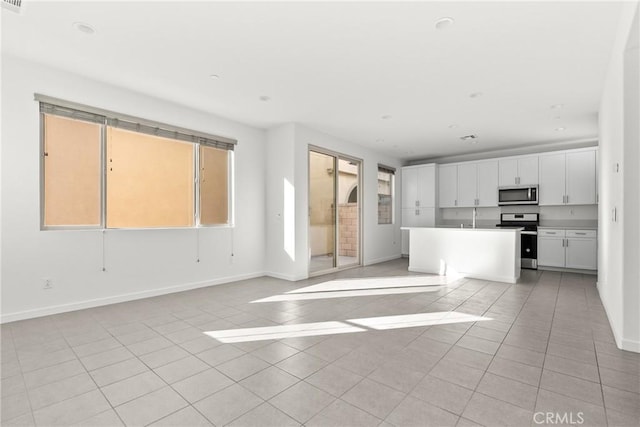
619,157
139,263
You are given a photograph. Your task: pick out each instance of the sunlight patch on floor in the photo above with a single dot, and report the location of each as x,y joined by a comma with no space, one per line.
377,283
347,326
413,320
349,293
283,331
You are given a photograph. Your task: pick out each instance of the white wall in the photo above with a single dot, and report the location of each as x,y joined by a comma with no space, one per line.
280,207
138,263
380,242
618,253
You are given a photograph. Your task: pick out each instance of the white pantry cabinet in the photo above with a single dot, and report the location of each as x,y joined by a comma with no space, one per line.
518,171
416,217
447,186
419,186
567,249
418,199
568,178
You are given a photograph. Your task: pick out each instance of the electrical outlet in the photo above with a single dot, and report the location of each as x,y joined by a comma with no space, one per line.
47,284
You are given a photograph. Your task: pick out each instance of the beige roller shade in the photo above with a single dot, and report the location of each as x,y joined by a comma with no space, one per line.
71,172
149,181
214,186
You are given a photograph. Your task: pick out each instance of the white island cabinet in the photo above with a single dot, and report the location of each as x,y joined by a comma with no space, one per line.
480,253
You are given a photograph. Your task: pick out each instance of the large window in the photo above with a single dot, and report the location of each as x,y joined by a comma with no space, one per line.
385,194
101,170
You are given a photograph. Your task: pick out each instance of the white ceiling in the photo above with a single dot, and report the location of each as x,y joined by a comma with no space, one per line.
339,67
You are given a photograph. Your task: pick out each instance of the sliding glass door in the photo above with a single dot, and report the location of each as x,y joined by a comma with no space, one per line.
334,211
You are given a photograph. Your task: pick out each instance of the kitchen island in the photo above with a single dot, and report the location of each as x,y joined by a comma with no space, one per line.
480,253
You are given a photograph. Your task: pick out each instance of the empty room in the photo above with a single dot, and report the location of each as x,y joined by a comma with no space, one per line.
320,213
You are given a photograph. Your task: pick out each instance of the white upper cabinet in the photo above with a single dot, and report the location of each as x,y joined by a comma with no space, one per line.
552,179
448,186
427,186
528,170
518,171
419,186
488,183
467,184
581,178
568,178
478,184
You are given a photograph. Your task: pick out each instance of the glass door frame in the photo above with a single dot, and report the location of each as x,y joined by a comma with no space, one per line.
336,183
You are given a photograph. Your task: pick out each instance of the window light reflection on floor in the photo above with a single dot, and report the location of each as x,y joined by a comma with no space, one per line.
413,320
349,293
347,326
283,331
377,283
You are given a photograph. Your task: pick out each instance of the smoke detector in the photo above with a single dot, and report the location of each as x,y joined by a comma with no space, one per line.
13,5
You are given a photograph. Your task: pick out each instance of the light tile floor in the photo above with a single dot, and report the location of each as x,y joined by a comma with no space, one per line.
547,349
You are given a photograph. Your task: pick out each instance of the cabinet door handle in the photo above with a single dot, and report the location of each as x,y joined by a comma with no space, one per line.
551,232
567,196
417,212
581,234
417,203
455,202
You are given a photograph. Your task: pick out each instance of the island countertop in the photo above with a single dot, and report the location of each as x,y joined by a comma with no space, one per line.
451,227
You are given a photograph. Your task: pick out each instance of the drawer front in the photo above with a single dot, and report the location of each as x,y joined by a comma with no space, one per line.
585,234
549,232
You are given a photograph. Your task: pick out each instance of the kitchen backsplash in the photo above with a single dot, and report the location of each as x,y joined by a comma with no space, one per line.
579,215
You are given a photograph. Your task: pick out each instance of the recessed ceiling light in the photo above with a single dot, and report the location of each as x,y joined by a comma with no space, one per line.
214,76
84,27
476,95
560,129
264,98
444,23
385,117
557,106
453,126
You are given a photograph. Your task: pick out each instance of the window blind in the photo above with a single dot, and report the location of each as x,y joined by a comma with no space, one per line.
73,110
386,169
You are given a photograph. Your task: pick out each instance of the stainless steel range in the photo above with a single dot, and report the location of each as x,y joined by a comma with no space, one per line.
528,237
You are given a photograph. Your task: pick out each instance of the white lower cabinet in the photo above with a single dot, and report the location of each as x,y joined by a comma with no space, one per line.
567,249
422,217
551,249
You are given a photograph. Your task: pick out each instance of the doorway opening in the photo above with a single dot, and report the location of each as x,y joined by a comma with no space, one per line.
334,211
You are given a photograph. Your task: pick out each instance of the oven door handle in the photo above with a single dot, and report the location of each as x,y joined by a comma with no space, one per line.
529,233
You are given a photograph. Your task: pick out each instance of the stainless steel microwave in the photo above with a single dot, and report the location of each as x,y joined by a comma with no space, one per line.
521,195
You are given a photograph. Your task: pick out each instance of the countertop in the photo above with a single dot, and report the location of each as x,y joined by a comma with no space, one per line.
570,227
452,227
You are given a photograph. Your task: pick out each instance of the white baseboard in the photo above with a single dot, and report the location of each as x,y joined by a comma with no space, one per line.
383,259
630,345
97,302
621,343
288,277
